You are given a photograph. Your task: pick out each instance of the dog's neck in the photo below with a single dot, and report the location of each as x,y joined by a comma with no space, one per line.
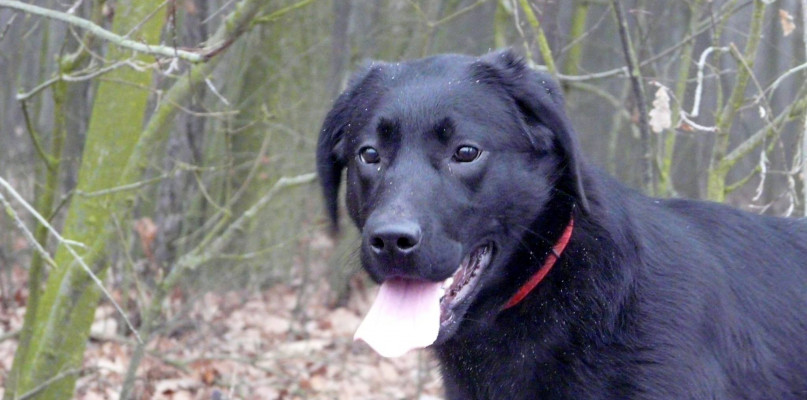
594,322
550,261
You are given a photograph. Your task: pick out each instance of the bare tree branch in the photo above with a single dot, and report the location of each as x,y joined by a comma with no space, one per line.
68,244
804,132
103,33
540,37
623,71
638,93
719,164
754,140
64,374
25,231
200,254
696,106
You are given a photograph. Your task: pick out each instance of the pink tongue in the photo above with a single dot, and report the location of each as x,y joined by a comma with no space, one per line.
404,316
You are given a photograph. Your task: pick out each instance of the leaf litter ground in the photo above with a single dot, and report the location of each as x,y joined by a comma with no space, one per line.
274,344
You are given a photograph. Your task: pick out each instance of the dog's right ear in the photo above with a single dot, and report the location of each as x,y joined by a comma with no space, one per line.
539,99
349,112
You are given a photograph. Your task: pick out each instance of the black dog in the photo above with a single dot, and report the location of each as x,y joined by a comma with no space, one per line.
465,178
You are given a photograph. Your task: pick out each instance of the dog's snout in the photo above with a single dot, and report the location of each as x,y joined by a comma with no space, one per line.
395,239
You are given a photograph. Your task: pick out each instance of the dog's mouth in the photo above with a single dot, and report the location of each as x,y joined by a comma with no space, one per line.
462,283
409,313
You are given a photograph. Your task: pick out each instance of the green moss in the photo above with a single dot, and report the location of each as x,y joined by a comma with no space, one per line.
68,304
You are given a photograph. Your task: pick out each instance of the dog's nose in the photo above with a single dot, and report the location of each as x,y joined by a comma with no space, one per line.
396,239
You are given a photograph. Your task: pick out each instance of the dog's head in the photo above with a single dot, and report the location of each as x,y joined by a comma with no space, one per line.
449,161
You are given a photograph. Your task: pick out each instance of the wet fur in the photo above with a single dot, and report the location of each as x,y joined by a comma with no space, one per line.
652,299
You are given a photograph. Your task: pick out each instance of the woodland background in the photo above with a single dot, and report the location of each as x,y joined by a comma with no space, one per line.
162,233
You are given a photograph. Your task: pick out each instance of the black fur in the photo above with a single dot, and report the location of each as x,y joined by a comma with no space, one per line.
652,299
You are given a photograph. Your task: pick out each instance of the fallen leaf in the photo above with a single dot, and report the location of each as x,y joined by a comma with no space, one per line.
318,383
147,231
660,115
266,392
388,372
209,375
104,328
21,297
94,395
343,321
687,127
302,347
788,26
170,386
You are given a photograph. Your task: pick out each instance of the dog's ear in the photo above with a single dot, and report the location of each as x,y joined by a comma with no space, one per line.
540,101
350,111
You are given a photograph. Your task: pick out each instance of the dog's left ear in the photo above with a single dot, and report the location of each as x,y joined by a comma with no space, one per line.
540,101
350,110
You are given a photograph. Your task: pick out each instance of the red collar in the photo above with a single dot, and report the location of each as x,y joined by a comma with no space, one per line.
553,256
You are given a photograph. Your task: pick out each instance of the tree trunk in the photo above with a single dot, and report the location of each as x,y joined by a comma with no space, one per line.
67,308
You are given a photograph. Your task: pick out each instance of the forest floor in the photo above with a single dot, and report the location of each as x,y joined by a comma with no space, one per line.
241,345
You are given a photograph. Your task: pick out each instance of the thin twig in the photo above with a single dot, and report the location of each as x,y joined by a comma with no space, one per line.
804,132
38,88
786,75
8,25
123,188
25,231
201,254
540,37
638,93
35,137
624,71
456,14
577,32
68,244
55,378
274,15
103,33
216,92
761,98
225,211
684,117
755,139
143,21
719,164
597,75
71,78
699,88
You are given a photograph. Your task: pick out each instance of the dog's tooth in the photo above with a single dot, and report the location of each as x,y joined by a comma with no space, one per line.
447,283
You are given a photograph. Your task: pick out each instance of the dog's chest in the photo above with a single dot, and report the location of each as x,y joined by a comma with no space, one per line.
501,369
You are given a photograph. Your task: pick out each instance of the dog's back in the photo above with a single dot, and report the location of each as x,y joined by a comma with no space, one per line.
726,292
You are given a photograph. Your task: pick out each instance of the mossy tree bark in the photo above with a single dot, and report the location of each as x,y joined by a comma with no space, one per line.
720,163
65,312
117,151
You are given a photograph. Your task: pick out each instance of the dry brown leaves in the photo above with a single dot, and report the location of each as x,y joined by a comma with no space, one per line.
248,346
786,20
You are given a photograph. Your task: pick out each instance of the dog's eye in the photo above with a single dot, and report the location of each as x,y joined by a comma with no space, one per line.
466,154
369,155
